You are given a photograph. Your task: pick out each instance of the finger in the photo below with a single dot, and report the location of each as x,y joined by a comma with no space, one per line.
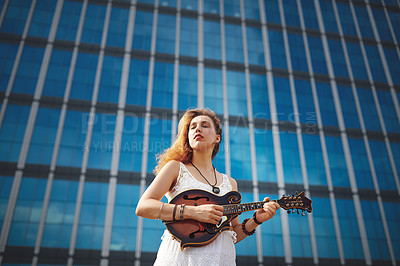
219,208
270,209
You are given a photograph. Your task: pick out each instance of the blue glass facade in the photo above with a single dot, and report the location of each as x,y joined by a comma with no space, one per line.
91,91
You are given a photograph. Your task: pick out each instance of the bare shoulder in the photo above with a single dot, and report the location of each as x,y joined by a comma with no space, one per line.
172,167
233,183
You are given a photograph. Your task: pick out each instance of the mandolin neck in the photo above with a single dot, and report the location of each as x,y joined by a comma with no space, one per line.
244,207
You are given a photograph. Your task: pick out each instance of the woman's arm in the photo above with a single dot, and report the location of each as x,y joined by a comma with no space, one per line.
151,207
267,212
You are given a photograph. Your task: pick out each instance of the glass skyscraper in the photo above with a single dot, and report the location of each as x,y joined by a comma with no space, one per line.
91,91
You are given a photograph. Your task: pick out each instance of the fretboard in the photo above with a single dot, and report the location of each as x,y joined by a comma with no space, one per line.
239,208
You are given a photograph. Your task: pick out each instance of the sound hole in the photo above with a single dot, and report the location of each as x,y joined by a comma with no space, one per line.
186,197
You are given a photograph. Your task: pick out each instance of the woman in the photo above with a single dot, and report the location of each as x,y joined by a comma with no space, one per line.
188,165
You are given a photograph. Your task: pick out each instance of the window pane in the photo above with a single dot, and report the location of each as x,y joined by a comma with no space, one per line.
118,25
326,104
265,157
382,165
187,97
213,95
142,32
375,232
284,105
349,229
102,142
28,70
348,105
290,158
305,104
83,81
337,57
325,230
255,46
212,40
60,213
188,37
7,56
73,139
163,85
166,34
240,161
110,79
28,209
346,19
328,15
232,8
233,41
57,73
12,132
291,13
317,55
259,96
43,136
337,162
93,211
237,104
314,160
93,26
137,84
277,49
69,21
297,52
42,18
159,140
130,159
15,17
361,167
123,235
309,14
272,11
369,112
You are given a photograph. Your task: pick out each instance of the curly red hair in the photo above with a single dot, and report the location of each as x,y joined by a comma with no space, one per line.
180,150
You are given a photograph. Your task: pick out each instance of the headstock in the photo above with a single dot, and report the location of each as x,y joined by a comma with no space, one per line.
298,202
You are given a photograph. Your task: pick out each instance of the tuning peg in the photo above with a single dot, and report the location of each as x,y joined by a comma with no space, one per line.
288,211
303,214
297,211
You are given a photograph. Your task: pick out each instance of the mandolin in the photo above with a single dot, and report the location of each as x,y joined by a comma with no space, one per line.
192,233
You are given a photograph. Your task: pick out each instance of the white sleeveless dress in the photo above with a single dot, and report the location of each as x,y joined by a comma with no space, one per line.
219,252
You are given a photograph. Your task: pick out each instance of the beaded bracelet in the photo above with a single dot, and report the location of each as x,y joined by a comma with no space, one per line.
255,219
244,228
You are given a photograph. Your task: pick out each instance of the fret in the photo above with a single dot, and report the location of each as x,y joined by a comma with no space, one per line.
239,208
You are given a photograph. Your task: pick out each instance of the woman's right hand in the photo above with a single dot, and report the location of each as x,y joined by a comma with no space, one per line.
207,213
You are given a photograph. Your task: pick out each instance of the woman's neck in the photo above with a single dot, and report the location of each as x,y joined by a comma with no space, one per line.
202,160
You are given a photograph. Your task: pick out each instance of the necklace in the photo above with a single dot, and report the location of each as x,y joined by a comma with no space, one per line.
215,189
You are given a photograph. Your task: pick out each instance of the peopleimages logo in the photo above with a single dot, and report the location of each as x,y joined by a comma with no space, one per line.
128,147
133,123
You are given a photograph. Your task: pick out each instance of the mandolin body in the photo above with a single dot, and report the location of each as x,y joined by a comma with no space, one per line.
192,233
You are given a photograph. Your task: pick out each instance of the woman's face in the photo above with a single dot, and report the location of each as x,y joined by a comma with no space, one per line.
202,134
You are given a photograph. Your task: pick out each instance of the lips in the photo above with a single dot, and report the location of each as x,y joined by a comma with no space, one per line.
197,136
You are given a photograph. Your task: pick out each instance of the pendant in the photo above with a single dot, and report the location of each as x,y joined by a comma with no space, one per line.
216,190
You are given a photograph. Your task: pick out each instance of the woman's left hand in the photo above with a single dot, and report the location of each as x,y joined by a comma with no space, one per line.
268,211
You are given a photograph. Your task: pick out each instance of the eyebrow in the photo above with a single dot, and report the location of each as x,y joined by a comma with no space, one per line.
202,122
